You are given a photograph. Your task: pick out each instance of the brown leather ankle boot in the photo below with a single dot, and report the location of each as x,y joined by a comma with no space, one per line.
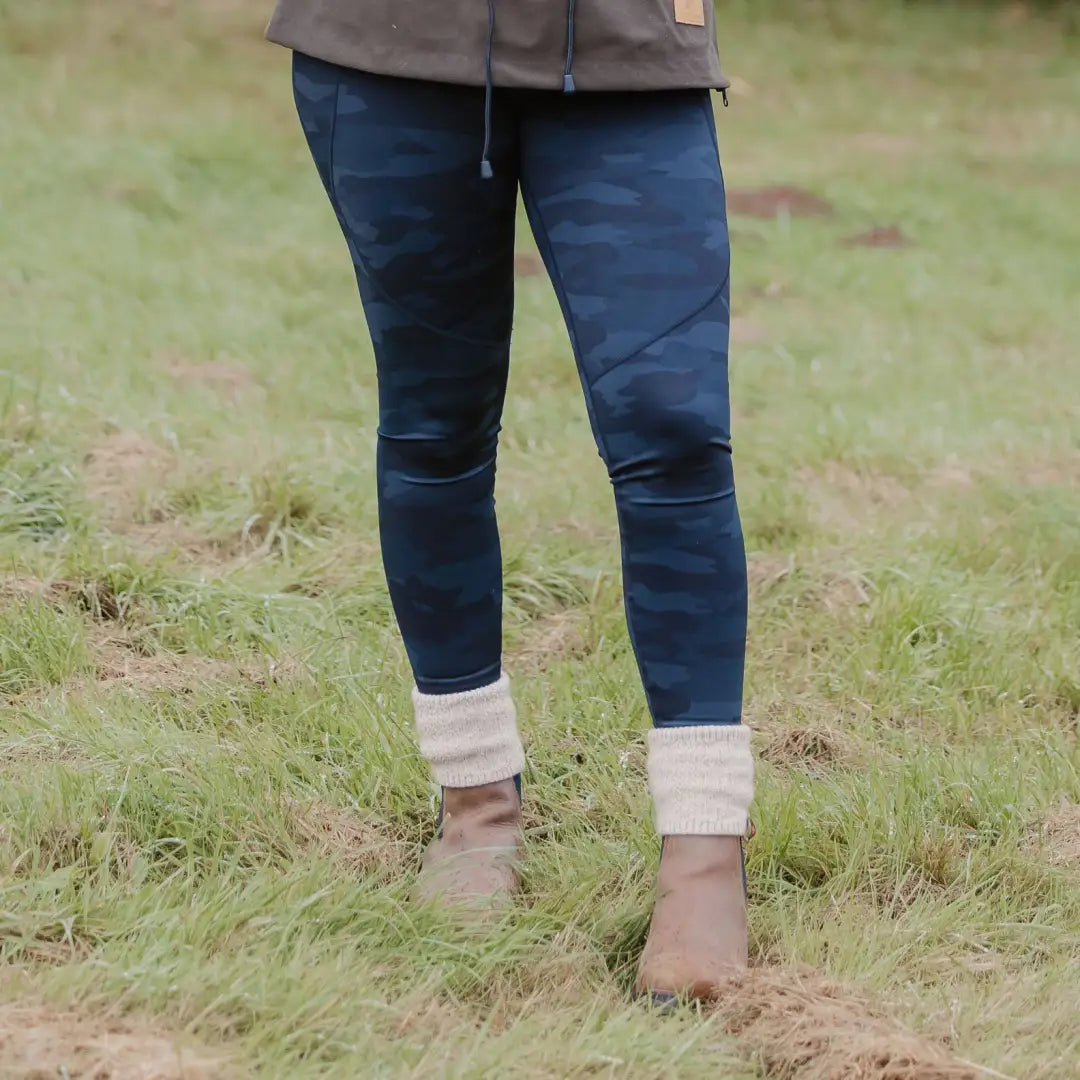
472,863
698,935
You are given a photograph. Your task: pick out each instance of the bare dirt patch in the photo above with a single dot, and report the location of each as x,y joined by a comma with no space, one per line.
1057,837
800,1026
226,376
833,590
842,496
1060,471
748,331
361,846
123,659
549,640
120,663
124,469
120,466
840,592
813,744
952,474
883,143
95,598
771,290
177,540
41,1044
17,588
528,264
778,201
338,569
881,236
765,571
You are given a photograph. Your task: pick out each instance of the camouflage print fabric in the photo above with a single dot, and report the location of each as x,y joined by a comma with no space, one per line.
626,199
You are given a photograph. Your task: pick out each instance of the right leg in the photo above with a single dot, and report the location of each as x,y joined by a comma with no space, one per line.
626,198
433,248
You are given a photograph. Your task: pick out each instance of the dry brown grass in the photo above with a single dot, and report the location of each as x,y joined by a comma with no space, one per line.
746,330
833,590
186,545
123,660
813,744
883,143
227,377
1060,470
841,496
839,592
528,264
121,663
549,640
1057,837
360,845
37,1043
799,1026
18,588
557,973
120,466
125,474
952,474
764,571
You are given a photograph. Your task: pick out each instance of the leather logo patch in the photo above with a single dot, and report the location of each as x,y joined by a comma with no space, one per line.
690,12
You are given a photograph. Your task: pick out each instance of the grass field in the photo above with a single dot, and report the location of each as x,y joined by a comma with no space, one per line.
211,807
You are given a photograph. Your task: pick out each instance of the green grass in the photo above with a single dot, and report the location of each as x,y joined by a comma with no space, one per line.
210,803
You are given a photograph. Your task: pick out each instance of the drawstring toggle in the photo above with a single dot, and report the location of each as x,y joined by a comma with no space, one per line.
568,86
486,171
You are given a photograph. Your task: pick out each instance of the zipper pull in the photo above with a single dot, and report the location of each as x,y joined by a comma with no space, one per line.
723,94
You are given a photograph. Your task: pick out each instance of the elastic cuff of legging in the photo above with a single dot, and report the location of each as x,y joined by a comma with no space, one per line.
701,779
470,738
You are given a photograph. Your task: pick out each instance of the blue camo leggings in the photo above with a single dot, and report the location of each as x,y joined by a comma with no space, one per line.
626,200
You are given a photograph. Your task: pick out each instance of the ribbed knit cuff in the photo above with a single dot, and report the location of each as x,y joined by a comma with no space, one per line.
701,779
471,738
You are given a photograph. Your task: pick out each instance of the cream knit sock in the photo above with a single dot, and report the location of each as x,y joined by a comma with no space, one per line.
470,738
701,779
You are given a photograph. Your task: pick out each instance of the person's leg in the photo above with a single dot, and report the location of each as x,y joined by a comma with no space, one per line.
626,198
432,244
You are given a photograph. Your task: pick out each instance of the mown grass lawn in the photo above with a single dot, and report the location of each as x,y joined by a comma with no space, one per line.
211,807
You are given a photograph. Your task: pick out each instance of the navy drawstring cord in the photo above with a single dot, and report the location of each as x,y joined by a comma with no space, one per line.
568,75
486,171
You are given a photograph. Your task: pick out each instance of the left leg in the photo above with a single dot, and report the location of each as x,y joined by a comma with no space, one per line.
433,247
626,198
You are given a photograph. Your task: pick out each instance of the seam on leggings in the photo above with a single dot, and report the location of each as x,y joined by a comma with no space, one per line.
423,324
333,140
704,103
544,242
710,123
370,276
366,270
560,289
612,365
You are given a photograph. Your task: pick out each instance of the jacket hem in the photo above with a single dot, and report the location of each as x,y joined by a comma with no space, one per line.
457,69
